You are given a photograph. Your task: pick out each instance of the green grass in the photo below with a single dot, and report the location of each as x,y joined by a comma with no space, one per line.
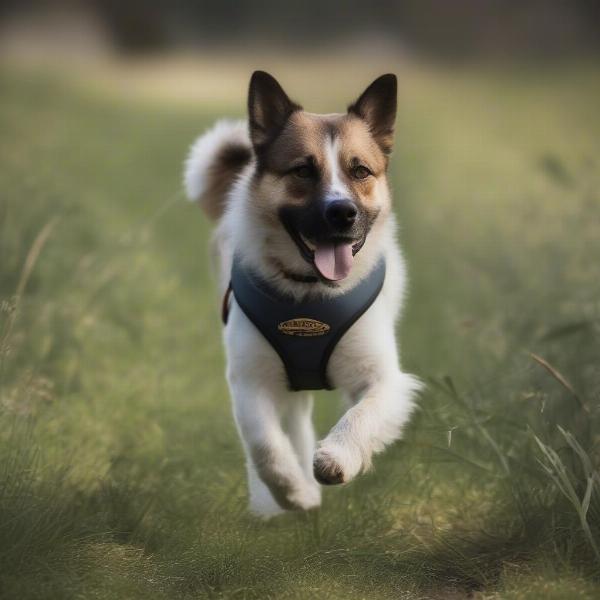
121,475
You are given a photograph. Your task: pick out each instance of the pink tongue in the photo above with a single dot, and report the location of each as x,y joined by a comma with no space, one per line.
334,261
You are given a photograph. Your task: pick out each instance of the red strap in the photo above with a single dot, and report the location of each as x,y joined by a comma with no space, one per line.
225,305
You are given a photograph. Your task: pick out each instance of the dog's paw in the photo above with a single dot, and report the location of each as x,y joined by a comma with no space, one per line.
265,512
264,507
334,464
306,498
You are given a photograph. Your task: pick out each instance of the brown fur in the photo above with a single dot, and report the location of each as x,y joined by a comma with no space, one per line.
226,167
306,135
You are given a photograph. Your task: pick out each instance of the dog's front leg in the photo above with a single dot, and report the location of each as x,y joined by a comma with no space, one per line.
270,452
365,429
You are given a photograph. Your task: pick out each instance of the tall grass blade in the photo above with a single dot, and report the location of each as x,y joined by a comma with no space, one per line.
560,378
558,472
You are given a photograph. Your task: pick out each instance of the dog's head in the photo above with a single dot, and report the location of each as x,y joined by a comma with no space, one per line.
322,177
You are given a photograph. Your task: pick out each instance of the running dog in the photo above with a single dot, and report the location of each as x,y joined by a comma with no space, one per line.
312,280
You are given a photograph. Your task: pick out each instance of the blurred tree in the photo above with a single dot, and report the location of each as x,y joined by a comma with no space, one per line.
135,25
460,28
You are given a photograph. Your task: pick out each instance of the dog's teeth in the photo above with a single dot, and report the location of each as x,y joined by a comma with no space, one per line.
310,245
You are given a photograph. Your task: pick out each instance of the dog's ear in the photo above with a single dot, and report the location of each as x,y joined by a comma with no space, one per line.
377,106
268,108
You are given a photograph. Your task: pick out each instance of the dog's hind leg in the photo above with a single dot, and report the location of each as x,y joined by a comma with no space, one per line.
262,503
300,429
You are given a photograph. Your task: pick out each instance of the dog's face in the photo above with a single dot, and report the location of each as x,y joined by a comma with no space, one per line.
322,177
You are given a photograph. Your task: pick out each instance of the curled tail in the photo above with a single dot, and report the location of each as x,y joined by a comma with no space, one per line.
215,159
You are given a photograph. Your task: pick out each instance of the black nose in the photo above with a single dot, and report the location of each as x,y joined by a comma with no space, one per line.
340,214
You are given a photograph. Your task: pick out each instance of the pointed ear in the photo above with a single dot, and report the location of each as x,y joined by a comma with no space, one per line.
377,106
268,108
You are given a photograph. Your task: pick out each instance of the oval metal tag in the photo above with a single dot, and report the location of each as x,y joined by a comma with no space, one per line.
303,327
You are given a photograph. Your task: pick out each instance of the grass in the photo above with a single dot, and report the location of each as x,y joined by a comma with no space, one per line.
121,475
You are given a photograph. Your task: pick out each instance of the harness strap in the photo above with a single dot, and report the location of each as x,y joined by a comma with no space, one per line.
225,304
304,334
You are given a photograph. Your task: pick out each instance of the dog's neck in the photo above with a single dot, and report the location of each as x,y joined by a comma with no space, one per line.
291,275
300,278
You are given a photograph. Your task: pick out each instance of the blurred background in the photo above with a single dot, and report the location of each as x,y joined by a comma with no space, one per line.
82,32
461,29
121,474
189,50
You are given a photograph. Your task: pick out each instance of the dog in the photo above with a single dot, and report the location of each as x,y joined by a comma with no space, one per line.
302,204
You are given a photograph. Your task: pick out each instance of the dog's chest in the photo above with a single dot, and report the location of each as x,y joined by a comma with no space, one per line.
303,334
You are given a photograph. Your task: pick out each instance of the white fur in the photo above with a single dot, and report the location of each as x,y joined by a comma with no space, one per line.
337,189
203,151
275,424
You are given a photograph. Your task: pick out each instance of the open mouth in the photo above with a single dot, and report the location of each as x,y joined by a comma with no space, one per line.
332,258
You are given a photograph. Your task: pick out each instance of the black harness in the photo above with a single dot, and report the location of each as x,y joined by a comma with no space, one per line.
304,334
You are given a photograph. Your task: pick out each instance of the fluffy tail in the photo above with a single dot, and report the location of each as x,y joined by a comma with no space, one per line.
216,158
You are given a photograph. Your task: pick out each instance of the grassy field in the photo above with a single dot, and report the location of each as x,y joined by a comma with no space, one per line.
121,475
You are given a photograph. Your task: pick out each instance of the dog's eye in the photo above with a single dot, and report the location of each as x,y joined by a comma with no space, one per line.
303,171
360,172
